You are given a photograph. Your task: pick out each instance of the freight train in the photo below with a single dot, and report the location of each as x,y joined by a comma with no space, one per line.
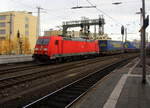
51,48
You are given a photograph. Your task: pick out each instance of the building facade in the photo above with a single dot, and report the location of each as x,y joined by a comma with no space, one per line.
59,32
18,31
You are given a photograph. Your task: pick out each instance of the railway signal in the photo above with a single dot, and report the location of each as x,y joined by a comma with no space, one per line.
122,32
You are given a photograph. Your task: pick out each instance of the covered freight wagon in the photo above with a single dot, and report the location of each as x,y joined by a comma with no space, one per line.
131,46
110,46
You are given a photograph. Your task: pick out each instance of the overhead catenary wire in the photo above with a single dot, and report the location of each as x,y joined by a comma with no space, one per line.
32,7
103,12
45,10
106,15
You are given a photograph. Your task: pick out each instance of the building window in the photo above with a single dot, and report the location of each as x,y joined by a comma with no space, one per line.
2,38
26,33
2,24
2,17
2,31
26,25
26,20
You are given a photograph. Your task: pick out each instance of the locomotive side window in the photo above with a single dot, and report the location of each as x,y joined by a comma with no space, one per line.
56,42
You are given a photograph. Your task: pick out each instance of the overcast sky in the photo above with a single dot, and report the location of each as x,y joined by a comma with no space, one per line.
56,11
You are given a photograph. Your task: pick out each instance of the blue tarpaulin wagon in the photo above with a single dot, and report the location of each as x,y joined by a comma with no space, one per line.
110,46
131,46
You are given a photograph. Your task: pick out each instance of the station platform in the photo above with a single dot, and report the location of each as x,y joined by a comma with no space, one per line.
4,59
122,88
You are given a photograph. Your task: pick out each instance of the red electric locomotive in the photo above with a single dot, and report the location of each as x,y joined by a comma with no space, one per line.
58,47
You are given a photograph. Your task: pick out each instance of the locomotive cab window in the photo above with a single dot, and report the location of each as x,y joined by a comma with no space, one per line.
42,42
45,41
39,42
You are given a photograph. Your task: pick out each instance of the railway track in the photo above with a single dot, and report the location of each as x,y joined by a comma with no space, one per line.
55,76
19,68
16,63
37,73
10,66
67,95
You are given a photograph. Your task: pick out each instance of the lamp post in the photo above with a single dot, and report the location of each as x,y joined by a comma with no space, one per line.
143,43
140,13
126,34
143,48
10,33
117,3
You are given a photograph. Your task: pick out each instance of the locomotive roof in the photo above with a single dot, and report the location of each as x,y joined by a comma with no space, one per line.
77,39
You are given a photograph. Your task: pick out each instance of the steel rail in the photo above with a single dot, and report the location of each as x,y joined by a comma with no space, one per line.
67,95
18,79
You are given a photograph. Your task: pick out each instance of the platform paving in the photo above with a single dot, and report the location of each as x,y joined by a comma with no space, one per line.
14,58
123,88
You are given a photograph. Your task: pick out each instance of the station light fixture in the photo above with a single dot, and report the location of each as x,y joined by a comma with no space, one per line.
117,3
79,7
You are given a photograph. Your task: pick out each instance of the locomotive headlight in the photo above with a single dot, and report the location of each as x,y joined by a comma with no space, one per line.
46,53
36,49
45,49
35,52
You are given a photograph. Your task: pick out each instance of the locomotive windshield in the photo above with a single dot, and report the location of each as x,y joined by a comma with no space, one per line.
42,41
39,42
45,41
